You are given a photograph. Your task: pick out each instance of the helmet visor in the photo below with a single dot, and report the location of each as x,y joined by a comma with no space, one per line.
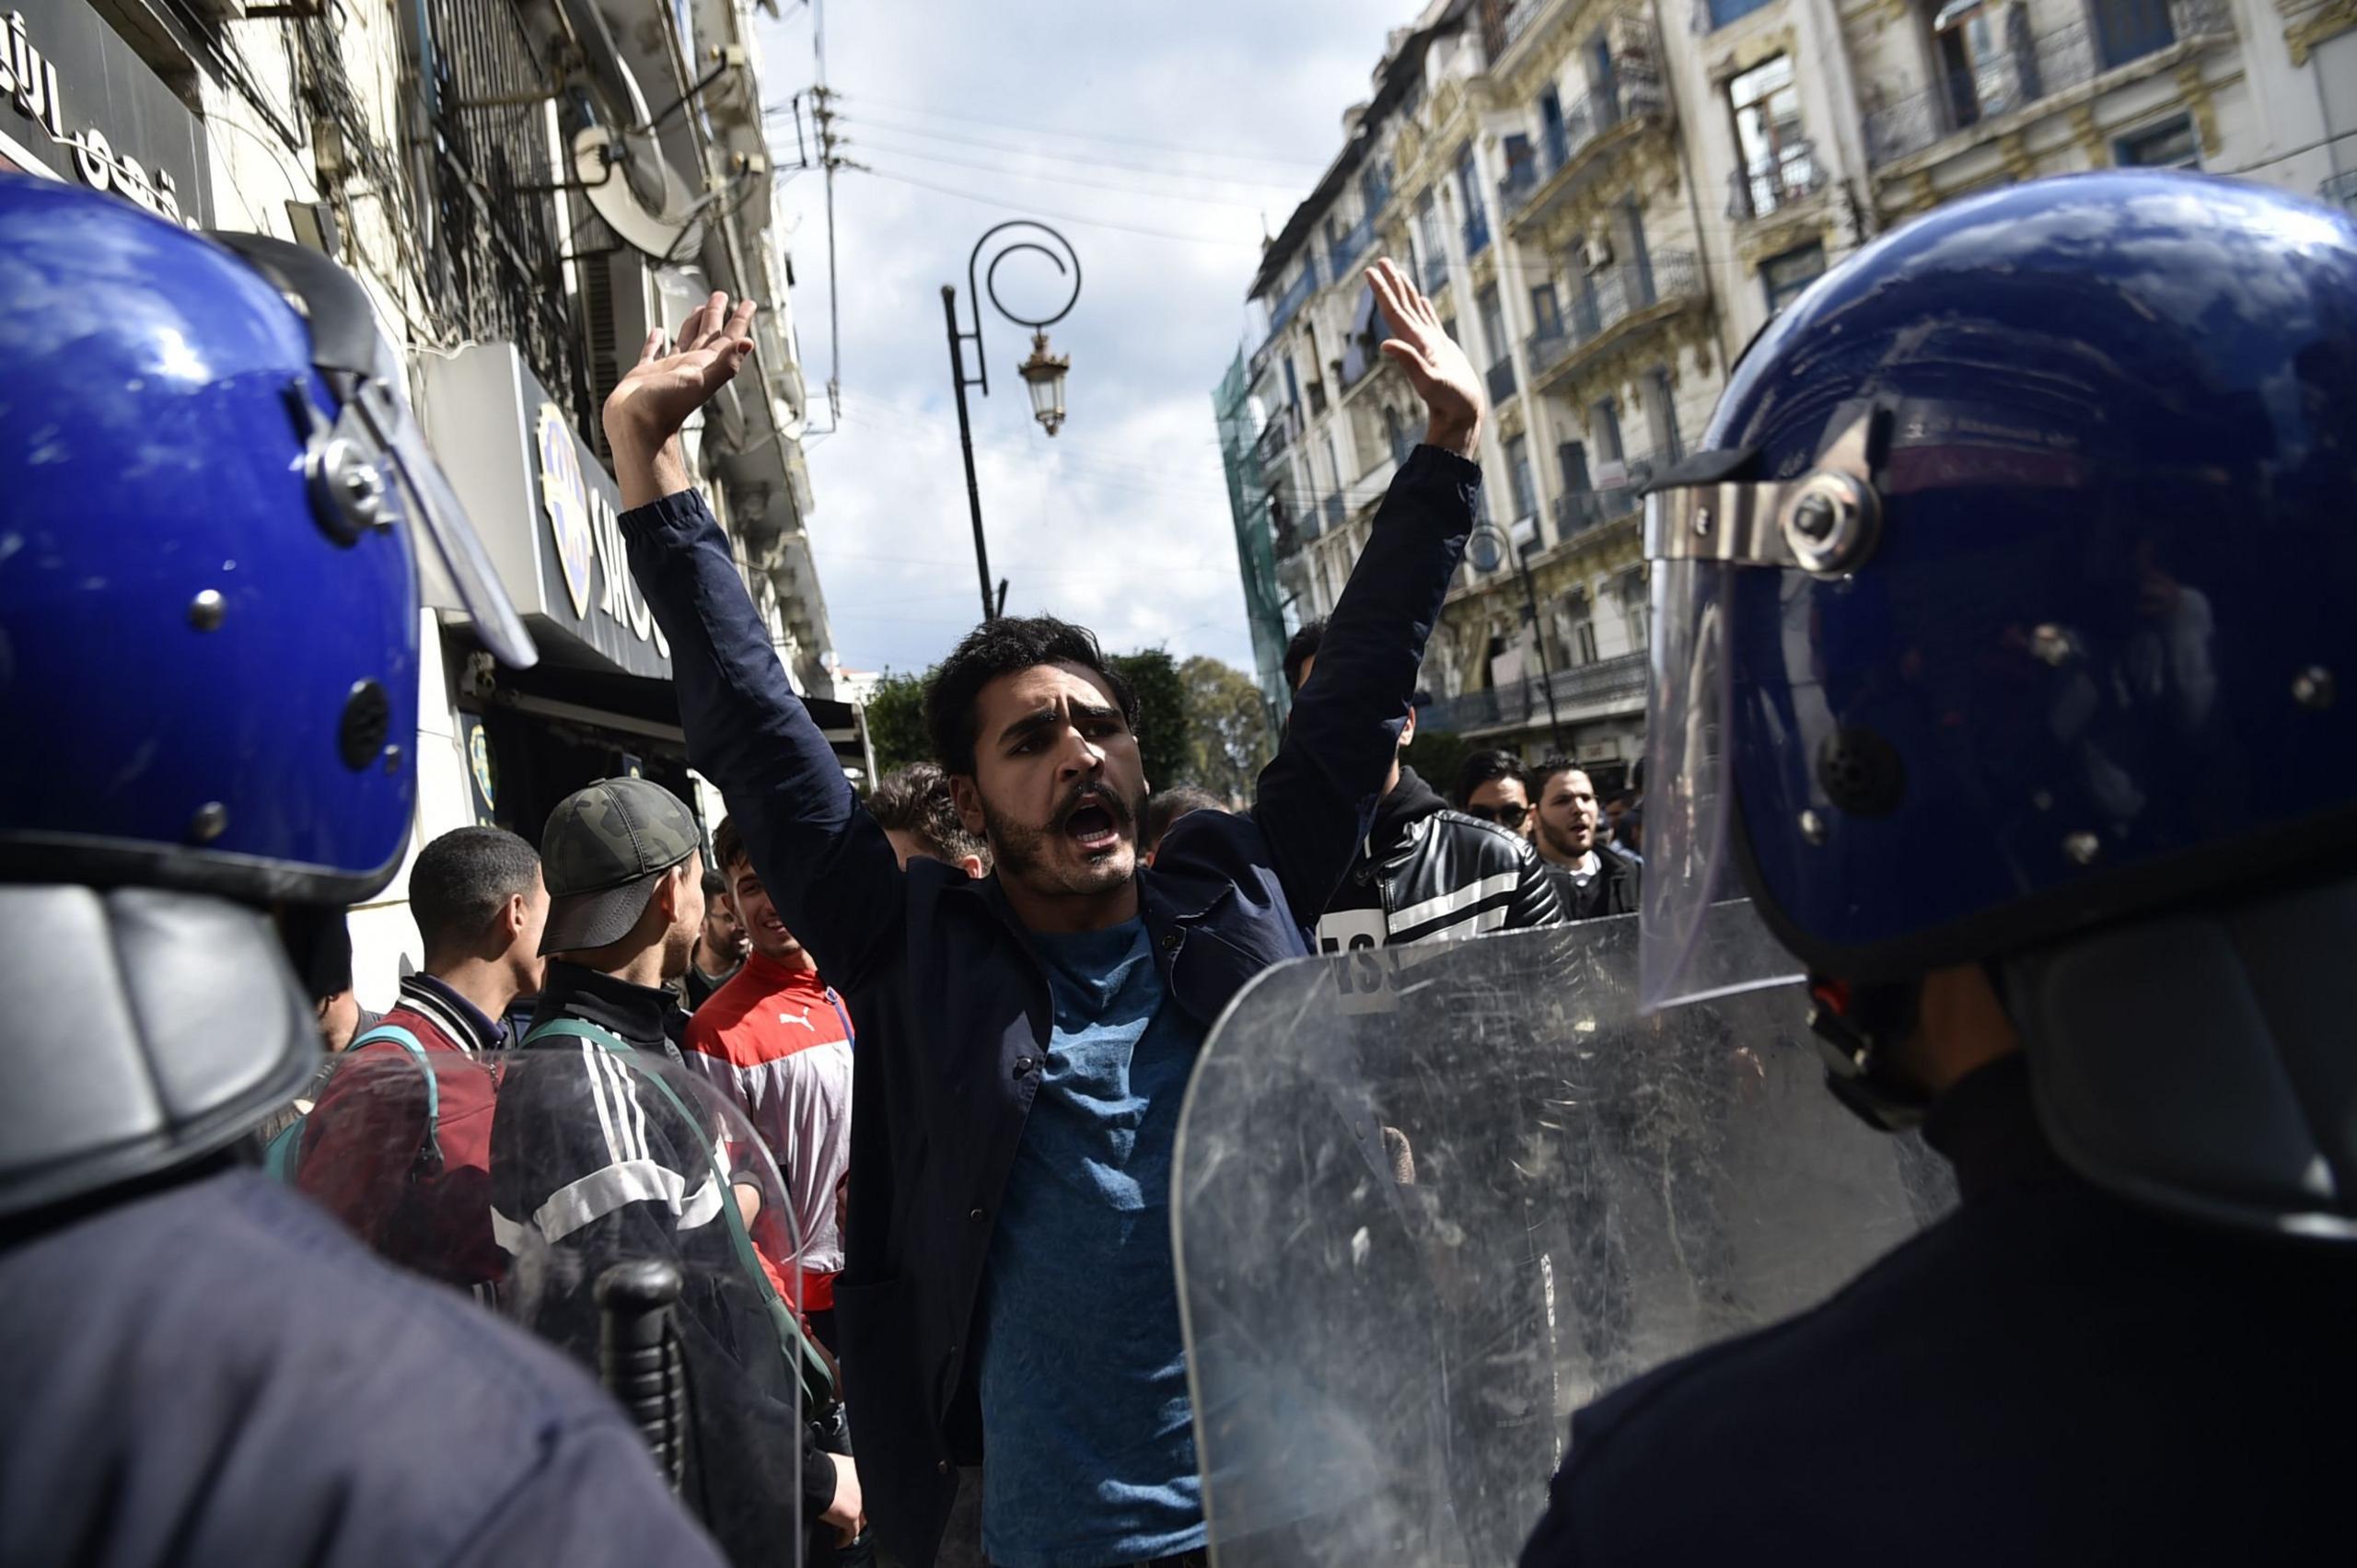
1698,937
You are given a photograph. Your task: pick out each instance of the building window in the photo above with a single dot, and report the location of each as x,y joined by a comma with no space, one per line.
1786,275
1779,166
1581,641
1724,11
1546,316
1604,424
1526,498
1661,417
2173,144
1469,190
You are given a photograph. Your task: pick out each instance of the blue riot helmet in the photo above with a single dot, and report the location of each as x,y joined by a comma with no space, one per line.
209,624
2002,619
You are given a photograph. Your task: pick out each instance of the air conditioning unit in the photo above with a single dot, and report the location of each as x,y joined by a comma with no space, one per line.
624,297
1596,253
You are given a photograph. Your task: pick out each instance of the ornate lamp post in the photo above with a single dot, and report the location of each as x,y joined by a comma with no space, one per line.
1043,373
1485,547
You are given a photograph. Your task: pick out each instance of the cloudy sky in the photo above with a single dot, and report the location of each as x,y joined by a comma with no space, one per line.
1154,136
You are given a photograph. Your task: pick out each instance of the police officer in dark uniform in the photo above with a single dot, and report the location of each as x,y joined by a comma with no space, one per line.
1998,635
210,491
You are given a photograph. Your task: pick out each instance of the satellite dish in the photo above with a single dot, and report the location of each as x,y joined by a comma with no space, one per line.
637,192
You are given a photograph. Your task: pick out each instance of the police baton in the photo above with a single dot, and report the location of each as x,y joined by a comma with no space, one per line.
638,1357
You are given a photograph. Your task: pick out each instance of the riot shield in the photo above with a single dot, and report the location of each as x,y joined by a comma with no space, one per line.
1430,1200
620,1208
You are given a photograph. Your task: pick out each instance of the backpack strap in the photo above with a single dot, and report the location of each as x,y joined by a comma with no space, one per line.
281,1158
834,1000
802,1357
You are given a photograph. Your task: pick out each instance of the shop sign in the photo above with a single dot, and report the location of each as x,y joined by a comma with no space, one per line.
548,513
55,56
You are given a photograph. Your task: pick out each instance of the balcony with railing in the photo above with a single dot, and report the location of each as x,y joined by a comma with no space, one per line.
1612,496
1784,177
1275,435
1332,510
2028,68
1500,379
1565,157
1297,295
1347,249
1612,302
2340,191
1585,691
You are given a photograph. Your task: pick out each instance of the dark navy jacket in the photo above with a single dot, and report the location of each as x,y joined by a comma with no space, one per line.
2051,1375
952,1010
217,1373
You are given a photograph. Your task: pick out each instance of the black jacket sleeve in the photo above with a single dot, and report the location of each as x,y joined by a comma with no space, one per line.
1535,904
824,862
1316,798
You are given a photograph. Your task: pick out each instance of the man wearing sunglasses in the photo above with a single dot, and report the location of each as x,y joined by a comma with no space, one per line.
1426,873
1490,787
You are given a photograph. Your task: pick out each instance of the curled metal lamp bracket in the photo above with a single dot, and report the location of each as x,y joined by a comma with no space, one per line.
983,283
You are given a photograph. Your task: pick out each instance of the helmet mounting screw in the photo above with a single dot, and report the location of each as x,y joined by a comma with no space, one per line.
1813,829
2082,848
2312,687
204,611
211,819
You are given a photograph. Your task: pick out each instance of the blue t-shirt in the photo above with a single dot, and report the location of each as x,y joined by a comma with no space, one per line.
1089,1437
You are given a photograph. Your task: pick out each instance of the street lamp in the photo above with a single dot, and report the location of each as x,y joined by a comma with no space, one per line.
1043,373
1486,547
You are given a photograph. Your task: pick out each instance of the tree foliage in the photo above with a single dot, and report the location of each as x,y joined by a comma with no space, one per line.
1161,713
1437,755
1228,741
896,722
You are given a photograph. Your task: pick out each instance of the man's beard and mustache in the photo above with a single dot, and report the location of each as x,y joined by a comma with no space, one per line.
1567,842
1022,850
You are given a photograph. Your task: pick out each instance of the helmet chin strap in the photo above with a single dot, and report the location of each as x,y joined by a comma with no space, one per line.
147,1028
1857,1028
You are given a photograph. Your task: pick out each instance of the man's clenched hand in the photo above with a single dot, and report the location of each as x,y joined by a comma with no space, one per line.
645,409
1442,375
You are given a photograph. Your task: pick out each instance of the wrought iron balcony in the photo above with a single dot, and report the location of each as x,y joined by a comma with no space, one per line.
1606,298
1583,123
1500,379
1787,176
1282,426
1292,298
2030,67
1333,508
1604,684
1348,249
1613,497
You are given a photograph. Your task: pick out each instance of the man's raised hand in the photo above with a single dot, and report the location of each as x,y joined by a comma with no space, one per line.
1442,375
646,408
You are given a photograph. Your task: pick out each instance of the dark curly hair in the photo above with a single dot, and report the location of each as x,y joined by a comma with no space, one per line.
1002,646
915,800
1480,769
1301,650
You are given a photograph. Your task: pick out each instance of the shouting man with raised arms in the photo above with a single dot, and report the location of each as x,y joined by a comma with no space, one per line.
1025,1037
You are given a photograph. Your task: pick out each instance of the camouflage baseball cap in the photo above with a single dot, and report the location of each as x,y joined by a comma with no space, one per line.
604,848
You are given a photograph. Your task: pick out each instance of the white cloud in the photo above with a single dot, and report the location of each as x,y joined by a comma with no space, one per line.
1121,522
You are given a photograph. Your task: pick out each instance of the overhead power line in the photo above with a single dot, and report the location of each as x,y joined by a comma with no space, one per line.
1056,178
1197,151
1030,210
1169,170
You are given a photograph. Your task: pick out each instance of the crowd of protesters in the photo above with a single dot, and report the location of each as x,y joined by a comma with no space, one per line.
952,1008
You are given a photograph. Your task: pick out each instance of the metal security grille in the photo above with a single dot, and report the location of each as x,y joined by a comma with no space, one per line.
498,251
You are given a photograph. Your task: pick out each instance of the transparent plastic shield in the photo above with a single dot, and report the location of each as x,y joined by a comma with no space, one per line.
1430,1200
617,1207
1701,939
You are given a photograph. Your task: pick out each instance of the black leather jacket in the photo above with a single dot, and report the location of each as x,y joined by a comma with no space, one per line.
1428,872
